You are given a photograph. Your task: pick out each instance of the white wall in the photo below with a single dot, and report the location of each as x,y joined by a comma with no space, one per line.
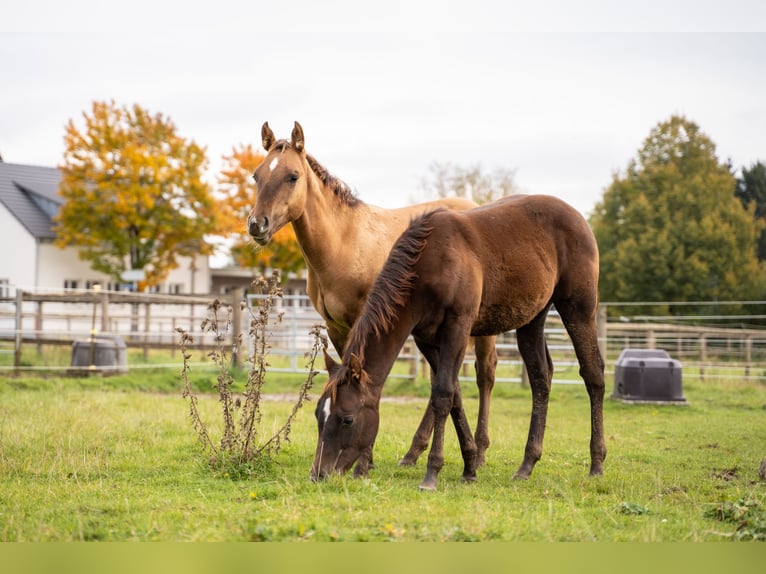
17,256
56,265
183,274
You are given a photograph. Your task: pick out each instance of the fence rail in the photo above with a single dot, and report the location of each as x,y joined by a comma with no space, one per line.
148,321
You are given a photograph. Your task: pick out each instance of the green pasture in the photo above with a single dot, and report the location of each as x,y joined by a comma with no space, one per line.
116,459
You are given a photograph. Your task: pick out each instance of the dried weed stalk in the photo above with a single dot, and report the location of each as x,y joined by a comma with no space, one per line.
242,449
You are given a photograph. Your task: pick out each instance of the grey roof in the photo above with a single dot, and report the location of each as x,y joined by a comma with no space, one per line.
30,193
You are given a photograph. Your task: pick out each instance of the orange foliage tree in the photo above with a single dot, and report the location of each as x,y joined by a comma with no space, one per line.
238,189
134,194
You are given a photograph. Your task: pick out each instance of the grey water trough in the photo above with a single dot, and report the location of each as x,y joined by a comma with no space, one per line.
648,376
102,354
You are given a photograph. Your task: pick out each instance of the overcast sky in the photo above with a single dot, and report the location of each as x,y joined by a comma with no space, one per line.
563,93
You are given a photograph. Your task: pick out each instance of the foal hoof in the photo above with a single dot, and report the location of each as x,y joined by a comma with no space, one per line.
427,484
407,461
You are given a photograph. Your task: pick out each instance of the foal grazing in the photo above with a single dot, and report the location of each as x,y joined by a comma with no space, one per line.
345,243
453,275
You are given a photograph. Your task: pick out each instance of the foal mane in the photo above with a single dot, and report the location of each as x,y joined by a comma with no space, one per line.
393,287
339,187
389,294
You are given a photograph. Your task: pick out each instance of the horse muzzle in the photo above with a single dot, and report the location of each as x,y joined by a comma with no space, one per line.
259,230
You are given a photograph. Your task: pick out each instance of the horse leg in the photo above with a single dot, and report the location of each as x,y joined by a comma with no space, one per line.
537,359
422,435
425,428
445,394
486,363
581,326
468,446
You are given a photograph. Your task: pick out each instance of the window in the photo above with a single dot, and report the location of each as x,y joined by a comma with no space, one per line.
175,288
70,283
5,288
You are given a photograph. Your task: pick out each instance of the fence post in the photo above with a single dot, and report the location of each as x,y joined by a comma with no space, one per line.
105,311
18,335
601,329
147,327
651,342
237,294
39,327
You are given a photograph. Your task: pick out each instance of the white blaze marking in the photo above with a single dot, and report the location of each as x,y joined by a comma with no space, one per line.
326,410
274,163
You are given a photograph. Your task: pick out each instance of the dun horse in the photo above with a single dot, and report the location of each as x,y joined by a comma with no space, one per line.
345,243
453,275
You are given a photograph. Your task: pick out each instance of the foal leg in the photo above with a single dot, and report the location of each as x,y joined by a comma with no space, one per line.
446,399
422,434
486,363
537,360
582,329
467,444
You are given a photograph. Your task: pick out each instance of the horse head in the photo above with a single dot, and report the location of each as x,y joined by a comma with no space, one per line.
347,418
282,180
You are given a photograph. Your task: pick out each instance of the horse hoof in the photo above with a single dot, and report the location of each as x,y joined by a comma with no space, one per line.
431,487
520,476
407,461
470,478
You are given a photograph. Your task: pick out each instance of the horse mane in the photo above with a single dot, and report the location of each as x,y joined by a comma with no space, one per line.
339,187
393,286
389,294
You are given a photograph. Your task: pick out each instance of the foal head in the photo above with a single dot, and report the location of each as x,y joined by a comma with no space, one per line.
282,179
347,418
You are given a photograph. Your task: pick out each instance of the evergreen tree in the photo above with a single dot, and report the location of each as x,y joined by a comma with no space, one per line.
751,189
671,228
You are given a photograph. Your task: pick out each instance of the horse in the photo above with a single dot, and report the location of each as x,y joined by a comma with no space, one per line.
456,274
345,243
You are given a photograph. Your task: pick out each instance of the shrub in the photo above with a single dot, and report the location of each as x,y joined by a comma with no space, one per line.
242,450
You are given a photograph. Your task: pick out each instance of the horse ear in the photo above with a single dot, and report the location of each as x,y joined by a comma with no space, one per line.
355,364
297,138
329,362
267,136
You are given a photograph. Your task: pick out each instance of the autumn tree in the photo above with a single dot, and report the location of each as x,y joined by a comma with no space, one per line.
238,190
670,229
134,194
448,180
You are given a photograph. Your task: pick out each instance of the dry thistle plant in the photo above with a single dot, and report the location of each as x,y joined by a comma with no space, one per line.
242,450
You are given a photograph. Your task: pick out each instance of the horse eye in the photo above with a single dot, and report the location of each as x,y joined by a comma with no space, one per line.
347,420
293,177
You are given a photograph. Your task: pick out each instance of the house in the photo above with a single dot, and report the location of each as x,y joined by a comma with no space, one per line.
28,201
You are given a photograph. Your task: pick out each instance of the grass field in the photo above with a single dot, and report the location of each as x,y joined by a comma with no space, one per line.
115,459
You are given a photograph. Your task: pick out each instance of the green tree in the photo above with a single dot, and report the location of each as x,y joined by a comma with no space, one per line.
448,180
134,194
751,189
671,229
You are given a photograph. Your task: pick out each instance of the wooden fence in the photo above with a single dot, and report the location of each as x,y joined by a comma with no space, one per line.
149,321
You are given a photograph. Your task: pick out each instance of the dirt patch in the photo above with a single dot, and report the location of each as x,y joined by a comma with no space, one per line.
725,473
